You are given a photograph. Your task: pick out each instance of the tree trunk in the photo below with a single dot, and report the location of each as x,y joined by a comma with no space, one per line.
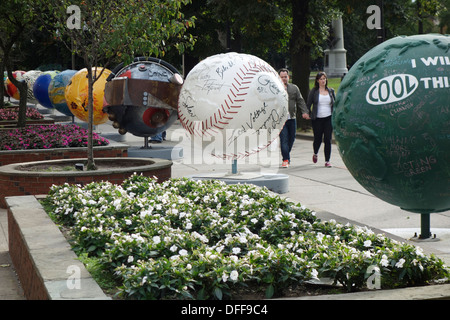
23,88
300,44
2,83
90,148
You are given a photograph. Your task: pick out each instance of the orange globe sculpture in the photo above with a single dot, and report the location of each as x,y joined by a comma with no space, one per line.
76,94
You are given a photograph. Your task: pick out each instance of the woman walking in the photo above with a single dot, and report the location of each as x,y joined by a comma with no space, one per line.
322,100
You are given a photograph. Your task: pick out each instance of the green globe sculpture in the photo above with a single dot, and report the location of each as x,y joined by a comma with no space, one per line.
392,123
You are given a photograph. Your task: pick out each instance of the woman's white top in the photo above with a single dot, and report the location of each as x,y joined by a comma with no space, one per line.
324,106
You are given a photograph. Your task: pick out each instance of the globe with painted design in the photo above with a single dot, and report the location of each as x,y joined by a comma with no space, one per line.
40,88
56,91
76,94
11,89
392,122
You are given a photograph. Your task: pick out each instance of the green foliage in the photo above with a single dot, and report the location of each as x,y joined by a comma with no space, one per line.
120,30
188,239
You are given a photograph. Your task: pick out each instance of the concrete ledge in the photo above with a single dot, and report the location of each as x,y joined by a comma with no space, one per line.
431,292
47,267
278,183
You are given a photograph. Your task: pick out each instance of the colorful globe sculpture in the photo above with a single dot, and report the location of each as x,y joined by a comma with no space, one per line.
56,91
77,95
30,78
142,97
40,88
392,122
237,100
11,89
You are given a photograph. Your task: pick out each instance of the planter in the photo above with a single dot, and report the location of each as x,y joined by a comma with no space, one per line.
16,156
33,178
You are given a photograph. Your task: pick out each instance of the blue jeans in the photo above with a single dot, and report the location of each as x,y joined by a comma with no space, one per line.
159,137
287,138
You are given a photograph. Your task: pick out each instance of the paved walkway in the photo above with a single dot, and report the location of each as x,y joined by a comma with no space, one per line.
331,192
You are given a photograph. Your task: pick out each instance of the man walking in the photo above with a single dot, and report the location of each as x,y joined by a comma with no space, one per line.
288,133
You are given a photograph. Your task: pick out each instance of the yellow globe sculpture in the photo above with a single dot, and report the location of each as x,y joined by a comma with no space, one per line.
76,95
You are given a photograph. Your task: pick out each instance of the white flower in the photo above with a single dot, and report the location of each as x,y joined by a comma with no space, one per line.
367,243
156,239
400,263
384,261
127,222
173,248
320,236
189,266
116,203
130,259
183,252
188,226
419,252
236,250
254,220
224,277
234,275
314,274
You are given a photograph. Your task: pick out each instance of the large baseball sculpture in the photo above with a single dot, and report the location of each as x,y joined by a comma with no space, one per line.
76,95
392,122
236,99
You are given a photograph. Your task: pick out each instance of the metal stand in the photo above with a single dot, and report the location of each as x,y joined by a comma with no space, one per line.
146,145
234,167
425,231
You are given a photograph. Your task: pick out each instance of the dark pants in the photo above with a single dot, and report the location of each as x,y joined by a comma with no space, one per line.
287,138
322,129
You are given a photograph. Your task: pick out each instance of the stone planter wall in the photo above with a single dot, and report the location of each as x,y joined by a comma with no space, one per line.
47,267
15,181
16,156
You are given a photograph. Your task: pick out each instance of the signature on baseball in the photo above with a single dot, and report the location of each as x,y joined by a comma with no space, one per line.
264,118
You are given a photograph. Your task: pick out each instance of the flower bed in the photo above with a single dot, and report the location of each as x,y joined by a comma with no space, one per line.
203,239
12,114
52,142
47,137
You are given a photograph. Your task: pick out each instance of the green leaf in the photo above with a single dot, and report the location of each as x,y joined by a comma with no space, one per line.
218,293
270,291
